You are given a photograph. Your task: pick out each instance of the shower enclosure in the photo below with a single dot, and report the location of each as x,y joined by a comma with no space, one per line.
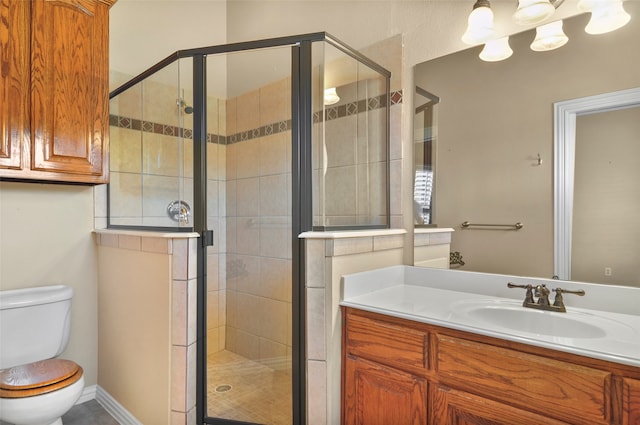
249,145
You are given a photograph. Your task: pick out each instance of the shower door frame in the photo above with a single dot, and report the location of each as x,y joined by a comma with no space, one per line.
301,211
301,197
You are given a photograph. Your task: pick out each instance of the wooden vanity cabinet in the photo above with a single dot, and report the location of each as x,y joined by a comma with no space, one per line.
54,105
384,370
630,401
454,407
381,395
439,376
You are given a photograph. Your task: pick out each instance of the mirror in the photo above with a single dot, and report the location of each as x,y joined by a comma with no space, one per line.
591,238
495,135
424,164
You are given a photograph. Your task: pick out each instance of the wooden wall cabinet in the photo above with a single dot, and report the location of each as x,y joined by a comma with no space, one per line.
396,371
54,106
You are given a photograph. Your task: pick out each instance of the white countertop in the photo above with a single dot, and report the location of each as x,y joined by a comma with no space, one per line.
148,233
440,297
343,234
427,230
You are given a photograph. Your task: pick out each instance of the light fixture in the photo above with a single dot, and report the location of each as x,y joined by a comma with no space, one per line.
479,24
331,96
606,15
496,50
531,12
549,36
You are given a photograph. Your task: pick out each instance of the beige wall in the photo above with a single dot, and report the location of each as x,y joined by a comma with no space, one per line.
45,238
147,324
606,198
143,32
488,139
135,330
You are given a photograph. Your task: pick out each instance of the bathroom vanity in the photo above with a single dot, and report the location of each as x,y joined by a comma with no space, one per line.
425,346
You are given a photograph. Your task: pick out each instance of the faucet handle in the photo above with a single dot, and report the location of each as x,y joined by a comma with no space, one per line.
559,301
514,285
579,292
528,298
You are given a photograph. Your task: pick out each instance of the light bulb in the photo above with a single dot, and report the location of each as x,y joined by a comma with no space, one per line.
549,37
479,24
331,96
606,15
496,50
531,12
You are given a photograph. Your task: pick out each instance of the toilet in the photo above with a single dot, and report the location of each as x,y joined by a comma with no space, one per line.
36,387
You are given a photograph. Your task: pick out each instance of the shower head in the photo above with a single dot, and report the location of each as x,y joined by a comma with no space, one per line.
188,110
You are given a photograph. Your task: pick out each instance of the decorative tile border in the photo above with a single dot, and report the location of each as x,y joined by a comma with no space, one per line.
330,113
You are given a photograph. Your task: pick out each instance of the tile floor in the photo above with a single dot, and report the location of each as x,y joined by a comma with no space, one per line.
245,390
88,413
254,393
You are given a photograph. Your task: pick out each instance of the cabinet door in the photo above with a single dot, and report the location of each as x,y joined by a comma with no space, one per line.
378,395
14,69
631,402
453,407
69,86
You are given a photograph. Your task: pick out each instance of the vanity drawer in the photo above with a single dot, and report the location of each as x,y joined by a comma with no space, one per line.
549,387
630,401
387,343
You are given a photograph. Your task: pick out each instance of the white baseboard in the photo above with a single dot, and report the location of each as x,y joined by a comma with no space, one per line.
88,394
114,408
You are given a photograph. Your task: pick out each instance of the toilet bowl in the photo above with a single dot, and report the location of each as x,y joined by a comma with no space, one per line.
36,388
39,393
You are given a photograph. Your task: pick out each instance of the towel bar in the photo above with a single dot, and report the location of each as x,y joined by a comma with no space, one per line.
516,226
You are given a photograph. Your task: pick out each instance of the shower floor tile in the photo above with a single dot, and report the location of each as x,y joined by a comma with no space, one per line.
245,390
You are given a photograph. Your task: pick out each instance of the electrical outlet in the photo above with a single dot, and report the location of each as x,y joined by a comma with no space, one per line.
607,271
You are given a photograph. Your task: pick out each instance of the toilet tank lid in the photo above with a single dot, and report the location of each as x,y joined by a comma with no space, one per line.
17,298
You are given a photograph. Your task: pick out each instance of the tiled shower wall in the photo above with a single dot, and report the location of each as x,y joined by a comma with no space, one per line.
152,164
258,224
248,205
249,196
151,155
351,168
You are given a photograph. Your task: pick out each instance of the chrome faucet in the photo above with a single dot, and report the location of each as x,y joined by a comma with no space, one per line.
542,292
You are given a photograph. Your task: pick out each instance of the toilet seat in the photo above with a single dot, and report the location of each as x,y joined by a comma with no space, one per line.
38,378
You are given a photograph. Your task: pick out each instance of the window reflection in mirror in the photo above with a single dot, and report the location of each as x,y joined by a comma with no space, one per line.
424,140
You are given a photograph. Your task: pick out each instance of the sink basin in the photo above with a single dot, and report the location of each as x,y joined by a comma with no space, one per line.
512,315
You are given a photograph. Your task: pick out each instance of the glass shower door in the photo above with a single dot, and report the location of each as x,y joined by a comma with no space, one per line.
249,268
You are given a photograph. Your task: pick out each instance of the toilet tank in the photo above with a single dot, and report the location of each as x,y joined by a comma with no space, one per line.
34,323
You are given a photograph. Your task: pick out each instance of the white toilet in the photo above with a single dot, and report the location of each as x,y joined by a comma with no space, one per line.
35,387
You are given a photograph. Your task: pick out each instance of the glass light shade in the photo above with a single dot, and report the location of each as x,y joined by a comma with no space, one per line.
549,36
479,26
531,12
331,96
496,50
586,5
606,16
